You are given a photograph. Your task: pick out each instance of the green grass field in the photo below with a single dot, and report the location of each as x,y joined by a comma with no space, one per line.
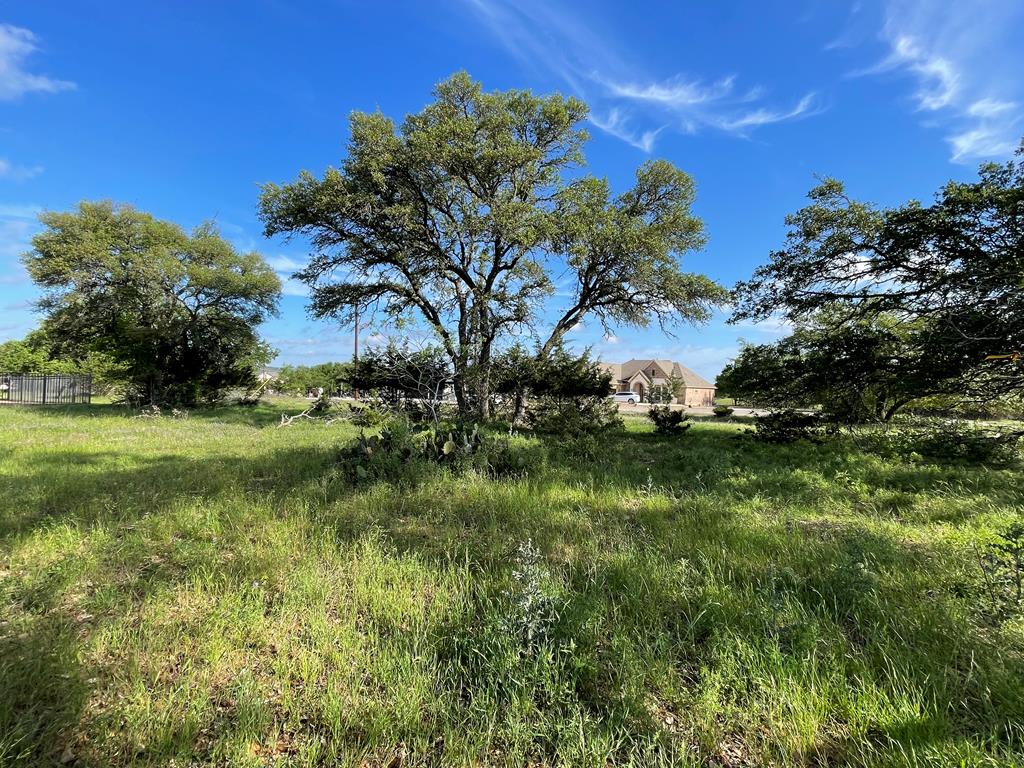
212,591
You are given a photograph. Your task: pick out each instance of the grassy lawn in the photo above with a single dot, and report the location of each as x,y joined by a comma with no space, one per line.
213,591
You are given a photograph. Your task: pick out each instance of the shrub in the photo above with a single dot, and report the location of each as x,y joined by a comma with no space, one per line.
574,416
668,421
1002,567
390,455
722,411
788,426
949,440
971,443
403,451
369,415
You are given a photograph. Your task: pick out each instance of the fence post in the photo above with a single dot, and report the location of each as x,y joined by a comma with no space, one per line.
45,377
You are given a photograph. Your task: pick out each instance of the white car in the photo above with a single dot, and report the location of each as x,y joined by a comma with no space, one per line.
625,397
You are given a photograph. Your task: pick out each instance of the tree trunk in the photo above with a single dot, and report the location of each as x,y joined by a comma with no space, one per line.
519,413
483,380
894,408
459,388
483,391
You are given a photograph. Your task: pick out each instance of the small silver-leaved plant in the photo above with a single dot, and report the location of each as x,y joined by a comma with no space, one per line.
533,606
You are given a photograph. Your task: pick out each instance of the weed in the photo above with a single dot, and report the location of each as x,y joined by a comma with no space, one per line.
533,607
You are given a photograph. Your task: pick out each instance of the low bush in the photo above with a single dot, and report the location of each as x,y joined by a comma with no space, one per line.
574,416
1002,568
668,421
404,451
949,440
1005,407
789,426
722,411
371,414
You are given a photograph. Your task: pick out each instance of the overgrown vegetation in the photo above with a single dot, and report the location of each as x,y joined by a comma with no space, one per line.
948,439
1002,567
333,378
218,590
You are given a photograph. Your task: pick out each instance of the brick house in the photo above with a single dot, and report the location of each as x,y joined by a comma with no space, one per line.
640,376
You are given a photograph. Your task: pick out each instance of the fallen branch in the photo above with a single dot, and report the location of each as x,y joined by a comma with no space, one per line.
287,421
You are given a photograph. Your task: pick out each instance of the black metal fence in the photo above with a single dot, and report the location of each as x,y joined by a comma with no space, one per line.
45,389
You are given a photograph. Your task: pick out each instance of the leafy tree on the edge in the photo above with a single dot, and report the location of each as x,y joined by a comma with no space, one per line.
917,300
176,313
462,216
857,370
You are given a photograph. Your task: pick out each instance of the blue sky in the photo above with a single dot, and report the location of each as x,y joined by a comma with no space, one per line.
184,108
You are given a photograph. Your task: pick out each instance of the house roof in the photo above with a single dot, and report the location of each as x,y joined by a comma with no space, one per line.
662,368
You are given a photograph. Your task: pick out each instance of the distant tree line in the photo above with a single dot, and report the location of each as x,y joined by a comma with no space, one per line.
458,218
333,378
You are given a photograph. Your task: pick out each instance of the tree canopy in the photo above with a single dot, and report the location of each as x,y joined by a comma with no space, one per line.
946,278
175,312
462,215
857,370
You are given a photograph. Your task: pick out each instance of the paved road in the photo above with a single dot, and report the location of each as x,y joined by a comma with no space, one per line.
642,408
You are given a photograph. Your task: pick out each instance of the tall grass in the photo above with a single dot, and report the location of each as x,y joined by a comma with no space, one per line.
214,591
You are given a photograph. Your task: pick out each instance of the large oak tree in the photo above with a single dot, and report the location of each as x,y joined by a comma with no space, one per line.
464,215
176,313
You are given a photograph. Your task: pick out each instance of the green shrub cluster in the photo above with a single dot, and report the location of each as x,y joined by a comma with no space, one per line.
668,421
1002,567
788,426
574,416
948,440
404,451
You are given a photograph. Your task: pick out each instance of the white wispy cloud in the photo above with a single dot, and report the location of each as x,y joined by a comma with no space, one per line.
675,93
626,104
9,170
285,267
692,105
615,124
284,264
16,45
292,287
16,211
961,57
763,116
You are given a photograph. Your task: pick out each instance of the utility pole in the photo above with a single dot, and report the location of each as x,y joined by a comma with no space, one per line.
355,354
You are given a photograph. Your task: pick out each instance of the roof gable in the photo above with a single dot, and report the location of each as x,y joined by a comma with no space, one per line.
663,369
